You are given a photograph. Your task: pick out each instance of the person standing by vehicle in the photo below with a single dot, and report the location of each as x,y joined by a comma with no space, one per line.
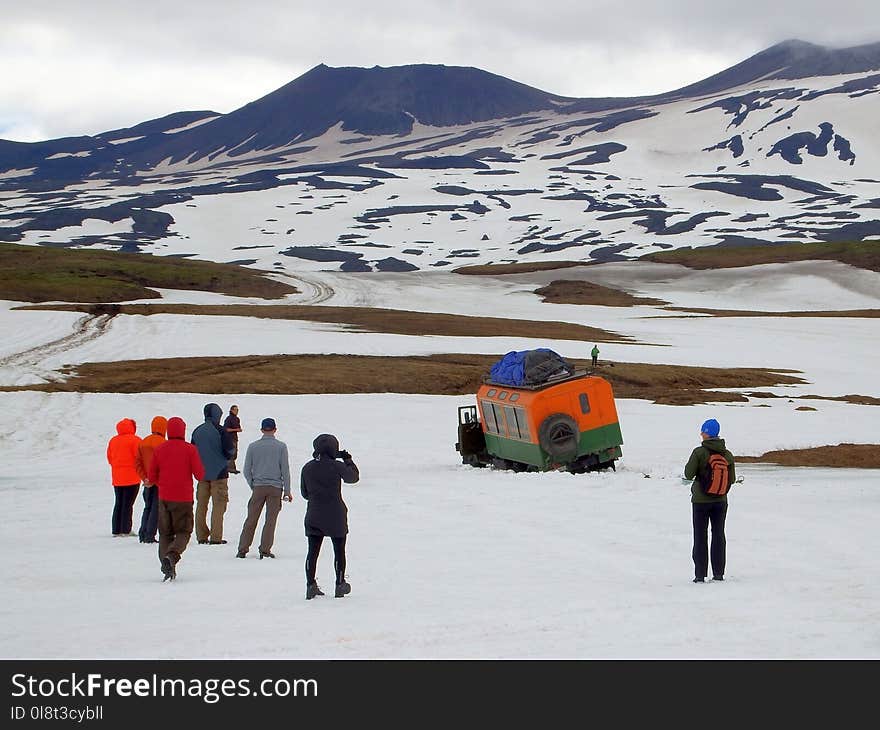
232,426
215,448
174,465
267,472
708,500
594,353
150,516
122,452
326,514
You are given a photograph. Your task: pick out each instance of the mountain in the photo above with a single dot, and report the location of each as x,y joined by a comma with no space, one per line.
792,59
424,166
376,101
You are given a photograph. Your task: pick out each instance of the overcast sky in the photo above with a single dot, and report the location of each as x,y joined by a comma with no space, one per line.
72,67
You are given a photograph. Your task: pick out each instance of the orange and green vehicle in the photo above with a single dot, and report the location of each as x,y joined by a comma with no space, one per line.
567,422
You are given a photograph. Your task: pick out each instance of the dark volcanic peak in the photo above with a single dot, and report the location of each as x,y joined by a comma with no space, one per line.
805,59
367,101
791,59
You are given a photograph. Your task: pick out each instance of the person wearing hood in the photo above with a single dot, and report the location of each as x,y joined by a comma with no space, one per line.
174,465
326,514
150,516
122,452
215,448
709,504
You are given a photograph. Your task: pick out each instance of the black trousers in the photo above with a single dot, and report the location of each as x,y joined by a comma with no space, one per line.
704,514
123,508
338,557
150,516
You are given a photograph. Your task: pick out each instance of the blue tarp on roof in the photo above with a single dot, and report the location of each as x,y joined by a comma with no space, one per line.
528,367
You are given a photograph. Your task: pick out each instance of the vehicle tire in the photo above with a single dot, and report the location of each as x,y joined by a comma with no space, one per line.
558,436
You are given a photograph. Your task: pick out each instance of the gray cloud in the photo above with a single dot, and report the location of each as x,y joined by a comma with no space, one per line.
83,68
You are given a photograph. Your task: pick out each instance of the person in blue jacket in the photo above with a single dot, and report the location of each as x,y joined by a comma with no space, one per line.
215,448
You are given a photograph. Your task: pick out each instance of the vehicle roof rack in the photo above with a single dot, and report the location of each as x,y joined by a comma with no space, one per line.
552,380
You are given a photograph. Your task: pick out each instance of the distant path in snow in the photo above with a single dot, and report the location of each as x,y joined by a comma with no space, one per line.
314,290
345,290
87,328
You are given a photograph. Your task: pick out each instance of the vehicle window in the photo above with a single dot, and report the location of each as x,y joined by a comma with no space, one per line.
510,420
491,392
585,403
515,421
489,418
502,395
499,419
514,396
522,423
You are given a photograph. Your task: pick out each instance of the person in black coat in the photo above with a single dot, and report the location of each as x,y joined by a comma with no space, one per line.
326,515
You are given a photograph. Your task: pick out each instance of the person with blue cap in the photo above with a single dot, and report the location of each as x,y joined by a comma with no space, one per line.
711,467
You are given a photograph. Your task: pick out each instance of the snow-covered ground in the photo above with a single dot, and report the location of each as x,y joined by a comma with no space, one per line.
445,560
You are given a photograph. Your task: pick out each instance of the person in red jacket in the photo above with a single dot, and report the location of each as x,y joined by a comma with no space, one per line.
172,468
122,452
150,517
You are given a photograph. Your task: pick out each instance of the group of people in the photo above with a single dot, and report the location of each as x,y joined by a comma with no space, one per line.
166,464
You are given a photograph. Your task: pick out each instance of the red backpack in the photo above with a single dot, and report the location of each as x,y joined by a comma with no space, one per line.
715,479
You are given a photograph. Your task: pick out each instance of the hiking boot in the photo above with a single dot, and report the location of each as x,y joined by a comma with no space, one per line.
168,569
699,580
266,554
312,590
342,589
717,577
241,554
217,542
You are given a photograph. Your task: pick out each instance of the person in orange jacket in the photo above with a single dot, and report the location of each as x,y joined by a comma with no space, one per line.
122,451
150,516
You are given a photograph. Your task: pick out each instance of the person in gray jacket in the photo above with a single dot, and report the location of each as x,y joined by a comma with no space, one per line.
267,472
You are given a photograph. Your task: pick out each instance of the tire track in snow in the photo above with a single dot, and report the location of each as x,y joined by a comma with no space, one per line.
86,329
315,291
